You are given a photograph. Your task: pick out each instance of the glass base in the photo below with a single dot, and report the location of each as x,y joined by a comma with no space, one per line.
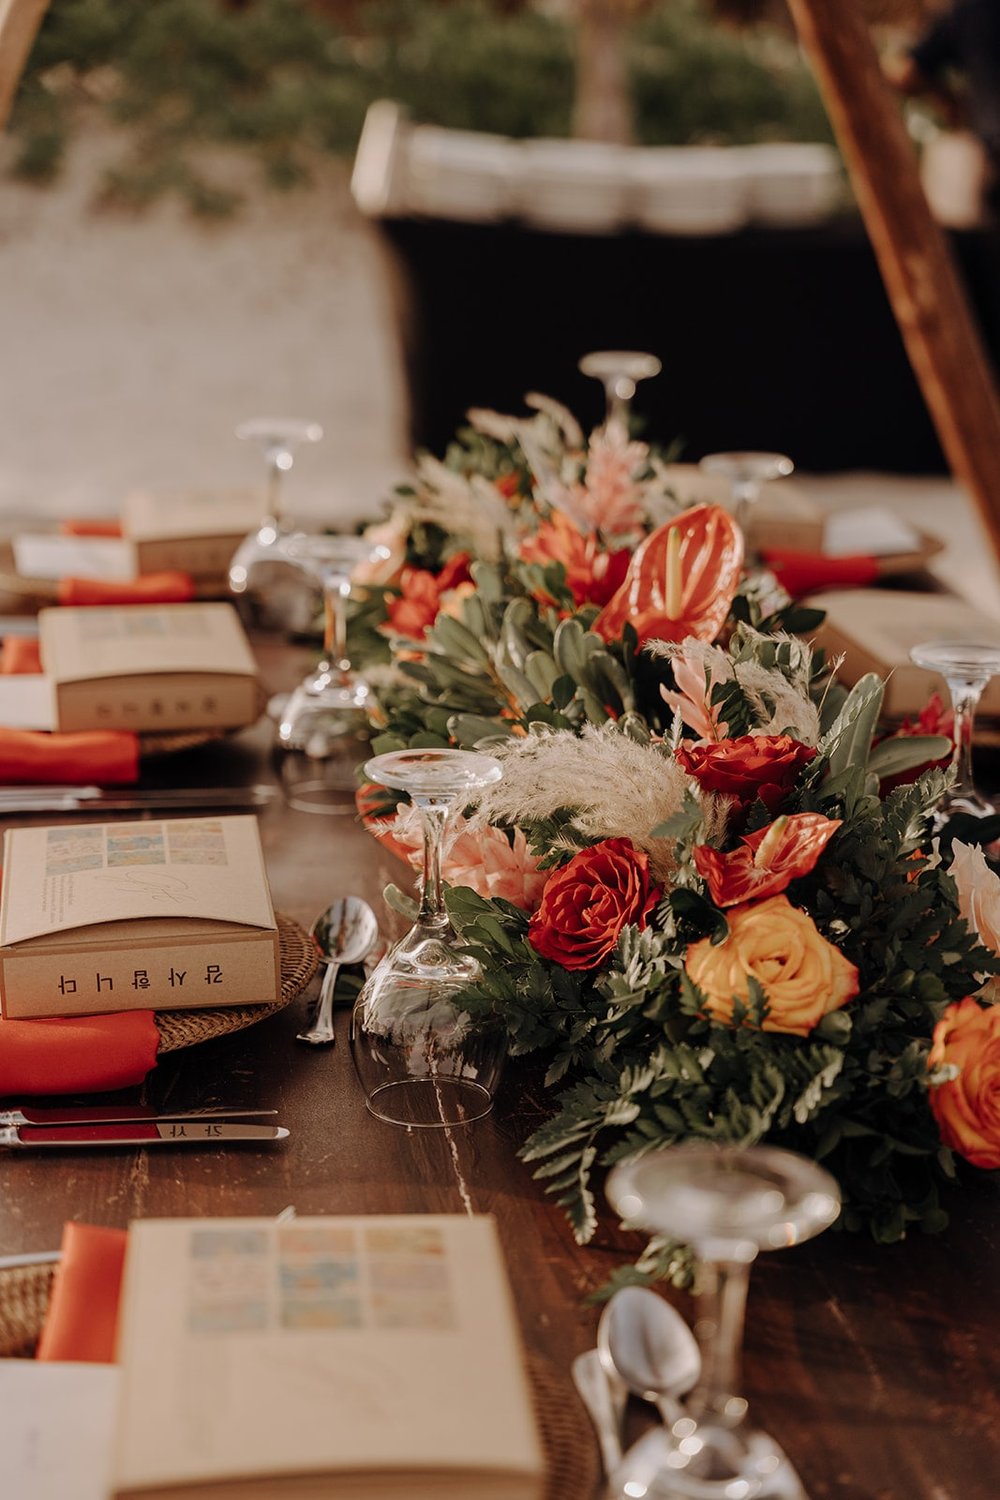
707,1463
421,1059
429,1103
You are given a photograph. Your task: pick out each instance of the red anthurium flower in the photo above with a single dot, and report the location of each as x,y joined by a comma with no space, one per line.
681,580
750,766
592,573
766,862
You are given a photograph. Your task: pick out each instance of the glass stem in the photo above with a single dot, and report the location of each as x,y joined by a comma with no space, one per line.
618,394
432,908
273,495
335,595
722,1297
964,698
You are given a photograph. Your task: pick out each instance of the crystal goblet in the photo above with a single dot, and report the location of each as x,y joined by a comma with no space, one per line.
966,667
619,371
728,1204
325,718
746,473
252,569
420,1057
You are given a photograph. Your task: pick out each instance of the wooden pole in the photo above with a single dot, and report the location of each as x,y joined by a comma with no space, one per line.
920,277
19,23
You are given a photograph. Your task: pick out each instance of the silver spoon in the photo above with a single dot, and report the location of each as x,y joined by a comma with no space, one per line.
344,934
645,1342
599,1393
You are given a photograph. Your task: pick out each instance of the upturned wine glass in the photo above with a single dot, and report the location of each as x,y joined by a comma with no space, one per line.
746,473
966,667
280,438
421,1058
326,716
728,1204
619,371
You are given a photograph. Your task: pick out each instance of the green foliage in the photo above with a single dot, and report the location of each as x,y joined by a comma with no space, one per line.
285,81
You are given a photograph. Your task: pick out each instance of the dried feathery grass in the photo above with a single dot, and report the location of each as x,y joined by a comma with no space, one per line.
778,699
470,507
616,787
778,705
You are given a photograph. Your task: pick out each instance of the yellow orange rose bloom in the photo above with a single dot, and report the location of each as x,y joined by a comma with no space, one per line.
803,976
967,1108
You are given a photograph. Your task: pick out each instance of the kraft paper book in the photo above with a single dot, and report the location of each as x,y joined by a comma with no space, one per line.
877,628
149,667
192,532
333,1357
167,915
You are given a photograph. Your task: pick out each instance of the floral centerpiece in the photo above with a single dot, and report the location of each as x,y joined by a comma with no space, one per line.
704,887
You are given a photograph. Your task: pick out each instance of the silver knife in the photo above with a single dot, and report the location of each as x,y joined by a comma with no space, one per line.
92,798
110,1114
169,1133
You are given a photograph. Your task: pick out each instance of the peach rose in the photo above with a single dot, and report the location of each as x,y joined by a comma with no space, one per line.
978,892
803,976
967,1108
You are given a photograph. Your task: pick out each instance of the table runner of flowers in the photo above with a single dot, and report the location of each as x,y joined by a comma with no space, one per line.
705,887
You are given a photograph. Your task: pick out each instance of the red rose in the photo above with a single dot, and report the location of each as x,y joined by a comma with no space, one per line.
751,766
588,901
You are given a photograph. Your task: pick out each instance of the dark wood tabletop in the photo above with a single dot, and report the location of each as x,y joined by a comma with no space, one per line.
877,1368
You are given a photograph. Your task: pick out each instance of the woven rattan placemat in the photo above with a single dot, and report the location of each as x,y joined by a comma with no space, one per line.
571,1454
184,1028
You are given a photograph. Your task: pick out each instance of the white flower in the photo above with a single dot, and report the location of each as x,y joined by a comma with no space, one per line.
978,892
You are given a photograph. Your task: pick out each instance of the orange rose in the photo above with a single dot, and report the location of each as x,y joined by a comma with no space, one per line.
803,976
967,1108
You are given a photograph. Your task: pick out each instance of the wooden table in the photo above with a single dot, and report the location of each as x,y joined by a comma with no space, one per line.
876,1367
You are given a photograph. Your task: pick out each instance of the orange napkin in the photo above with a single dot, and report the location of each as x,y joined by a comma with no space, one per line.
90,527
808,572
151,588
20,653
82,1317
76,1054
31,756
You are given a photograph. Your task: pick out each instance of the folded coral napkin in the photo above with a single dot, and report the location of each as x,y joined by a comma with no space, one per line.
151,588
76,1054
29,756
806,572
92,526
19,653
82,1317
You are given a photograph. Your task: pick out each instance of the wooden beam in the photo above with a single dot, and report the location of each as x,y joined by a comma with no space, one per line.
19,23
924,288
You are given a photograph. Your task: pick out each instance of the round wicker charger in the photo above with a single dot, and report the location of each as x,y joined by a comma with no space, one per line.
572,1469
185,1028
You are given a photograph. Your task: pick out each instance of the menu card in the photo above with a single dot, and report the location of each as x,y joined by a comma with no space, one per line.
334,1356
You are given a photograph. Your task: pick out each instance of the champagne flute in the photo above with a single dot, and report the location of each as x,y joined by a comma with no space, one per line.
279,437
619,371
325,718
746,473
966,667
728,1203
421,1059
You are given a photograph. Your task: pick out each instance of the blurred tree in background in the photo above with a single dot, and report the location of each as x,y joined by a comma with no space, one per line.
287,79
